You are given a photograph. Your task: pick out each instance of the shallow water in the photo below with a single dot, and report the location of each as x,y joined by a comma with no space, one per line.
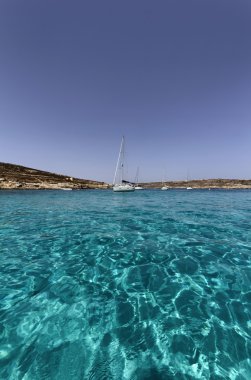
143,285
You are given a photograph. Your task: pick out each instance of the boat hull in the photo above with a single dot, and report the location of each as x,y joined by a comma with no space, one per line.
123,188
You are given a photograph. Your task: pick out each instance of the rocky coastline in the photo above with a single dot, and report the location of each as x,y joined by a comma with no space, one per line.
14,177
218,183
20,177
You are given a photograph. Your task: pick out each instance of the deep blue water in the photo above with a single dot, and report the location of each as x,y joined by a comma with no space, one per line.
143,285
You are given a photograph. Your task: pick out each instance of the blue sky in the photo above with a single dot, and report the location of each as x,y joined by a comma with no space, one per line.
173,76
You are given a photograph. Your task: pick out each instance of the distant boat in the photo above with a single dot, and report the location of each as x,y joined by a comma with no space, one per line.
164,186
137,187
65,188
188,179
119,182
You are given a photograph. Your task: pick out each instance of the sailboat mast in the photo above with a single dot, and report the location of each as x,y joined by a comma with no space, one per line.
137,176
120,161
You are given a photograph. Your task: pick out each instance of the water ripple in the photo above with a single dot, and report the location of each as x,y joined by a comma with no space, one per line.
97,285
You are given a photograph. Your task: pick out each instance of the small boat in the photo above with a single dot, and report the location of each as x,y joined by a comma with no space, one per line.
137,187
119,183
164,186
188,179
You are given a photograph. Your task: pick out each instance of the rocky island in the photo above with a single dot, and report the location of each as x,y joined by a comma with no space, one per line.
20,177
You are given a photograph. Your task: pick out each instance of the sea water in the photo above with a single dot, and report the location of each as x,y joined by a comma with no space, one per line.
143,285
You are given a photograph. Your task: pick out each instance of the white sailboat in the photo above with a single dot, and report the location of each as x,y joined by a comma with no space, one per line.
119,183
137,187
164,186
188,180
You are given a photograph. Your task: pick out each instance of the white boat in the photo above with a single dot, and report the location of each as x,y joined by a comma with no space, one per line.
137,187
188,179
164,187
123,187
119,183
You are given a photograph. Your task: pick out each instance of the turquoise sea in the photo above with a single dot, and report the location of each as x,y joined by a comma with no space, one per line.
144,285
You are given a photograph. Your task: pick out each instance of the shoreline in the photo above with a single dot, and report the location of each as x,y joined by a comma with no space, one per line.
17,177
108,187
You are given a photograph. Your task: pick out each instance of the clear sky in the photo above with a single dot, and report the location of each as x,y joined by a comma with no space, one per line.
173,76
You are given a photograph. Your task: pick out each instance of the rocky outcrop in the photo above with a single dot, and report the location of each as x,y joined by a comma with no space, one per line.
20,177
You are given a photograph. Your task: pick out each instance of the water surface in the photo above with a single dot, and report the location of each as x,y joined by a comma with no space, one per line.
143,285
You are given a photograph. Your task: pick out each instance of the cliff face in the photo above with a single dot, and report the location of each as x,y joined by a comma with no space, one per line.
19,177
